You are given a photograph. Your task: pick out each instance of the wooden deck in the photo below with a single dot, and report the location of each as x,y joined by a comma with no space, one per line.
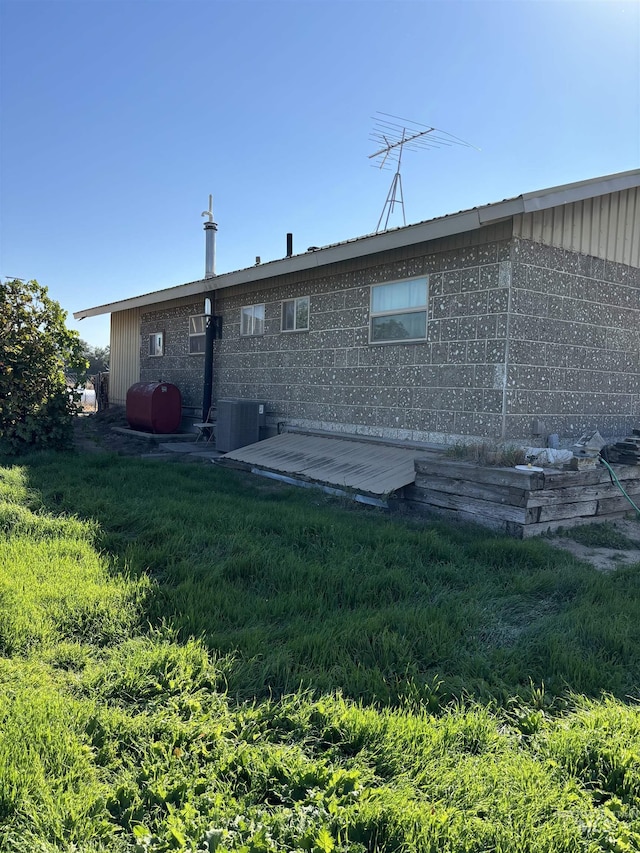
364,467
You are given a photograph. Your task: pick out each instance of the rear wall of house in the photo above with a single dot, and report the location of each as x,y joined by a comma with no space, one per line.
330,377
574,343
516,331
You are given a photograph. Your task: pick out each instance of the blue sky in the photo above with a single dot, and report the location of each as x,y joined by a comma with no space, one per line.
119,117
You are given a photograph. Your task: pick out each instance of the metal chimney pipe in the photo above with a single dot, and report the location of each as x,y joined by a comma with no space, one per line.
289,245
210,229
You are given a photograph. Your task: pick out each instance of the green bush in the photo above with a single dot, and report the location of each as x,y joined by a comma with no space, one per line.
36,349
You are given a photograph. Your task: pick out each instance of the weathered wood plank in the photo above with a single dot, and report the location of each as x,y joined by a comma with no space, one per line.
530,530
546,497
617,504
572,510
428,466
477,506
498,525
592,477
484,491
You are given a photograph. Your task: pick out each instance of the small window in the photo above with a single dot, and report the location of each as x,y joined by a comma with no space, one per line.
252,320
156,344
399,311
197,333
295,314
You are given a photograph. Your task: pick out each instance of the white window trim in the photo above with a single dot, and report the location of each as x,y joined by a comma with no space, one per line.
295,314
416,309
253,333
158,346
198,335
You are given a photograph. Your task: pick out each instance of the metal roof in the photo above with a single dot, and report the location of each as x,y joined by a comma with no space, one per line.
339,462
432,229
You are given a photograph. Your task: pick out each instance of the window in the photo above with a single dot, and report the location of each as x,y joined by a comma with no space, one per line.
197,333
295,314
399,311
156,344
252,320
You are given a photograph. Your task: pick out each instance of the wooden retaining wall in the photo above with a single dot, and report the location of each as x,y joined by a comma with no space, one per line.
521,503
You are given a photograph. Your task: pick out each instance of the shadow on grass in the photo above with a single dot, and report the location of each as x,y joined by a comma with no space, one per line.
308,592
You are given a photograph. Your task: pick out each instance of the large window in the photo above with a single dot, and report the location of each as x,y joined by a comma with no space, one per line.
252,320
156,344
197,333
295,314
399,311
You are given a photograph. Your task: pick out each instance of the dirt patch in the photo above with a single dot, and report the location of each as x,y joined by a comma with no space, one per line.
625,532
94,433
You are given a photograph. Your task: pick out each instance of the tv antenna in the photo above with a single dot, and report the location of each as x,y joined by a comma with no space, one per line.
392,135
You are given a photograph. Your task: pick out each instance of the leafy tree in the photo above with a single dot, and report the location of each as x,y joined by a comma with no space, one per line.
36,348
97,358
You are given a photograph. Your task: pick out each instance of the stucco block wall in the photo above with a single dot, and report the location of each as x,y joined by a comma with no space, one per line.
516,330
574,342
331,377
177,365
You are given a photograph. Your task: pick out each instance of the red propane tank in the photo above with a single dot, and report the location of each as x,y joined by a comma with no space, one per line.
154,407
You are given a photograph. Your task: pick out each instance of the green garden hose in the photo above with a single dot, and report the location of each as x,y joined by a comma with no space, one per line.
618,483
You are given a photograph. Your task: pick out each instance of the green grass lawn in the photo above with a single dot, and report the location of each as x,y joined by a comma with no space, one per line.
193,659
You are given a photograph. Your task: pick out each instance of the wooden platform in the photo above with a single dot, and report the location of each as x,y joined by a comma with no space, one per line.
521,503
518,503
366,468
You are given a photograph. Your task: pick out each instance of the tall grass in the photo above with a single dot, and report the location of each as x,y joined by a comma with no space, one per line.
194,660
307,593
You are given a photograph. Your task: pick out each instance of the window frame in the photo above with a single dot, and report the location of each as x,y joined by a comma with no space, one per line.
252,333
156,338
413,309
197,335
295,301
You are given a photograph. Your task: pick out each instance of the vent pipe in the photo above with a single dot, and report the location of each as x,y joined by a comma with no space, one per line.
289,245
210,229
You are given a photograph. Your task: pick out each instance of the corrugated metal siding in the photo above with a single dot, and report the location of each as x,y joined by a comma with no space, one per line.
125,354
343,463
607,226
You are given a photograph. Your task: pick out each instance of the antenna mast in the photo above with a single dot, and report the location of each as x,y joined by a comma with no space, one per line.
391,137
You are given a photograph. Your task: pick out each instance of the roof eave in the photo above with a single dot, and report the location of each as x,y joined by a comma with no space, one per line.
580,191
457,223
446,226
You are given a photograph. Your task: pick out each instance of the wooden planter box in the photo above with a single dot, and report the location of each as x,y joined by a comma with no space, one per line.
521,503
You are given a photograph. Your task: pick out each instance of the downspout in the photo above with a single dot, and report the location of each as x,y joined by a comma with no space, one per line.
505,280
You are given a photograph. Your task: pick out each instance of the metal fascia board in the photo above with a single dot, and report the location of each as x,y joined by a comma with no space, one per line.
580,191
191,289
500,210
